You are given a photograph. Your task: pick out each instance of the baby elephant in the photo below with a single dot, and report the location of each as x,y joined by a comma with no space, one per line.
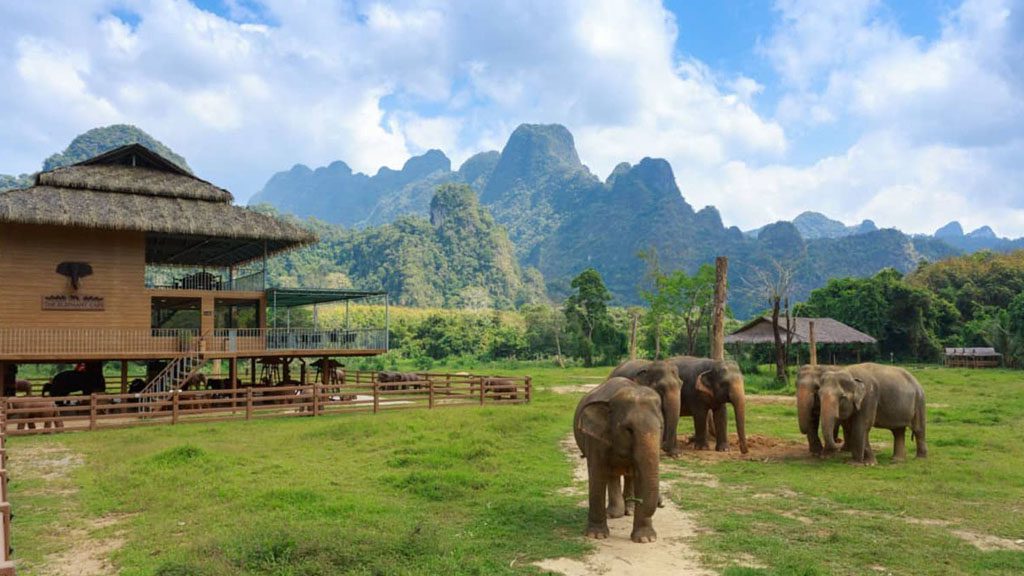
618,428
41,409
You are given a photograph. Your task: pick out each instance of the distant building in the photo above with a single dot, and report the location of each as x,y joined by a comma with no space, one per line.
972,357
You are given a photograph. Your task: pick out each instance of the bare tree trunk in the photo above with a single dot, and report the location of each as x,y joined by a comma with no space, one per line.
718,317
558,349
632,336
790,323
780,362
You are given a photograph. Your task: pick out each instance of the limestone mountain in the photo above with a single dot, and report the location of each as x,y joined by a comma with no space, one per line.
983,238
815,225
92,143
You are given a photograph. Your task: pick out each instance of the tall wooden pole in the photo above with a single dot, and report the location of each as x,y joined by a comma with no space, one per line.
718,320
632,336
814,344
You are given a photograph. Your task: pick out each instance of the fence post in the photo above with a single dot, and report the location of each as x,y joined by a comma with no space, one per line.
430,392
316,399
174,407
92,411
376,396
248,403
481,380
529,389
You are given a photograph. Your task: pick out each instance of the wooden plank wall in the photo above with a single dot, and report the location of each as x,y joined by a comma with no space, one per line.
29,256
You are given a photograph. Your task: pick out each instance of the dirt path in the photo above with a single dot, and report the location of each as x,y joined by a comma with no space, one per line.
672,554
84,547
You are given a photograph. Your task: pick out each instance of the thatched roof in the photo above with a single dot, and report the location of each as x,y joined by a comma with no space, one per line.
826,331
187,221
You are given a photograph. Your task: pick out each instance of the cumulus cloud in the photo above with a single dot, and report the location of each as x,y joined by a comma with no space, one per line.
274,82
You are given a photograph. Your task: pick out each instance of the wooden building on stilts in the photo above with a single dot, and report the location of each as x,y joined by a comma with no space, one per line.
129,257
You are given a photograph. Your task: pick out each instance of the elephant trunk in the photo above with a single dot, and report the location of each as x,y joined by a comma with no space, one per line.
645,485
805,408
829,415
670,407
738,398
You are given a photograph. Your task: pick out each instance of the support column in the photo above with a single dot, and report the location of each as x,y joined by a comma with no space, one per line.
814,343
4,384
124,376
721,286
252,371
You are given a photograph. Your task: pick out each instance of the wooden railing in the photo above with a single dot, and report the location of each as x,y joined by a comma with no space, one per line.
6,565
359,392
270,339
124,342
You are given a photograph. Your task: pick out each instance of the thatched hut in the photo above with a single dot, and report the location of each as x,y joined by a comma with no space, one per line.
827,331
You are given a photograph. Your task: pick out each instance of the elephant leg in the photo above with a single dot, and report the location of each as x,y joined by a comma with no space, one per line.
627,494
835,435
597,515
899,444
700,429
721,421
616,504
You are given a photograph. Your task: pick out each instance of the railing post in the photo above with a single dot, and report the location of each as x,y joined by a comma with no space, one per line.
376,396
481,380
248,403
430,397
174,407
92,411
316,399
529,389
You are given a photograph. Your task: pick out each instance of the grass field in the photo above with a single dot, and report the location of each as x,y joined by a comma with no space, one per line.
476,491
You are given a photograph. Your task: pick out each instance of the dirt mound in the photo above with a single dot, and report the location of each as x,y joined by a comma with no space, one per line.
759,448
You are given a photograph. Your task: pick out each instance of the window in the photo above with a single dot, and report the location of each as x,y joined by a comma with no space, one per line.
176,313
239,314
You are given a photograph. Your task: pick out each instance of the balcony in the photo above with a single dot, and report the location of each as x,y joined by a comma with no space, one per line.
53,344
206,281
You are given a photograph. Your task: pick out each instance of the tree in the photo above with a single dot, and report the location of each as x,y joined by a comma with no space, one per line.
775,284
587,314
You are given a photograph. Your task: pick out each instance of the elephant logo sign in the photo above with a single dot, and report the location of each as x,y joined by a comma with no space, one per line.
75,271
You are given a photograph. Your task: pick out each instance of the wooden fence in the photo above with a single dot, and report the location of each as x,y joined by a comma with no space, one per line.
6,565
359,392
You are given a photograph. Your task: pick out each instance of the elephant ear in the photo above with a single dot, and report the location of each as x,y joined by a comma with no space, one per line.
594,422
702,388
857,389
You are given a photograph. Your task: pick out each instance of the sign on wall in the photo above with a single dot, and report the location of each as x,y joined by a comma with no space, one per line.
73,302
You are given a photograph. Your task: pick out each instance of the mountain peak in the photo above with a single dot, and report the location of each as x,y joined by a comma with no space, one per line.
106,138
430,161
951,230
541,144
983,232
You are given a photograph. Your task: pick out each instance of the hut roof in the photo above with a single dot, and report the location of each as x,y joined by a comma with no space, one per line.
826,331
187,221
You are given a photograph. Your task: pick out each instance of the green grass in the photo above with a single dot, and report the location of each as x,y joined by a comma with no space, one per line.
475,491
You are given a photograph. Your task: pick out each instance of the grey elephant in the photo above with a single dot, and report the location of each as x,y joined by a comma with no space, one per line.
618,428
868,395
808,406
708,385
663,378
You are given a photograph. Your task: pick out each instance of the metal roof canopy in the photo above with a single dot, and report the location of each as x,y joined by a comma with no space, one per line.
292,297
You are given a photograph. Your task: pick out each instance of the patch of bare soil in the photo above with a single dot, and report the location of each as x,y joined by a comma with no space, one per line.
762,448
48,468
771,399
671,555
989,543
87,556
574,388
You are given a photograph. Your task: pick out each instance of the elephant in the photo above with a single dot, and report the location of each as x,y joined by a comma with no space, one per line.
808,406
392,377
707,386
87,381
618,428
850,402
40,409
663,378
901,405
502,388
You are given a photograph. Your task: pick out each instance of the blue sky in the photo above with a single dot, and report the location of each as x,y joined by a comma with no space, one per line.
907,113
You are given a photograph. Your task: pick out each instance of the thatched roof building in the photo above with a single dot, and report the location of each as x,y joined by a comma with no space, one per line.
826,331
187,221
